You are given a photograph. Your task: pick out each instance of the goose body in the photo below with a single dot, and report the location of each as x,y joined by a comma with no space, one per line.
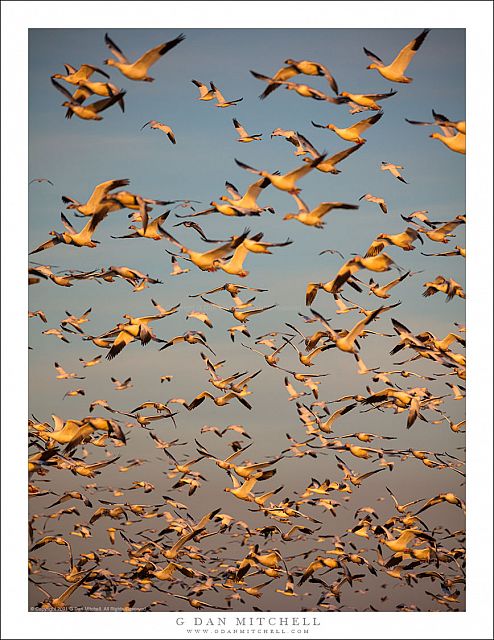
138,70
395,72
286,182
353,133
160,126
367,100
457,143
314,218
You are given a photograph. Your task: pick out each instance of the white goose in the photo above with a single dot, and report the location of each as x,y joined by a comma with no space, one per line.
248,202
441,121
204,93
456,143
100,200
352,134
394,170
89,111
328,165
244,136
74,76
313,218
82,238
286,182
207,261
395,72
154,124
380,201
138,70
367,100
220,100
296,67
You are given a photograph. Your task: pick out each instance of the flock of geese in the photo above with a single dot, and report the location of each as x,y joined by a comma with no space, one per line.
160,552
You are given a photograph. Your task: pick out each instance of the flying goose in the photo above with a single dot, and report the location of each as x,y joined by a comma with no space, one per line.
82,238
367,100
190,337
100,200
453,133
239,314
38,314
204,93
247,204
232,289
220,100
135,327
394,170
328,165
296,67
378,263
41,180
382,292
88,111
380,201
74,76
395,72
313,218
150,228
441,284
458,251
443,233
303,90
457,143
154,124
244,136
347,342
286,182
295,138
443,122
403,240
138,70
352,134
206,261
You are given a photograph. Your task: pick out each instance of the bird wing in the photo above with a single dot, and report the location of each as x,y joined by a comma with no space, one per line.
247,167
329,77
361,126
101,190
325,207
256,187
203,90
117,52
357,329
403,59
373,57
301,171
121,341
46,245
338,157
68,592
62,90
101,105
239,129
87,70
381,96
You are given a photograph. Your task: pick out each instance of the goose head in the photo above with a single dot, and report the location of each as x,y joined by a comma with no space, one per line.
373,65
289,216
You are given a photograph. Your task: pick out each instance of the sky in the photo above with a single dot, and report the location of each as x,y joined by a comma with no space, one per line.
76,155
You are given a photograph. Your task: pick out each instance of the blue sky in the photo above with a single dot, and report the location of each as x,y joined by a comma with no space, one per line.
76,155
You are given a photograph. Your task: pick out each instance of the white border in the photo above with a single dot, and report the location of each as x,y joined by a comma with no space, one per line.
476,17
